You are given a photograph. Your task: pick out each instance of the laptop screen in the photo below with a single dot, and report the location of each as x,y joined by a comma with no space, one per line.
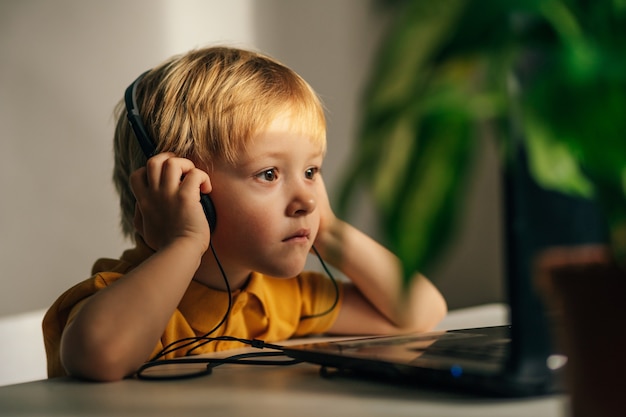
536,218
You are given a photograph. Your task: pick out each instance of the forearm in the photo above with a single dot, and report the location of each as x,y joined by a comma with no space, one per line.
377,273
118,327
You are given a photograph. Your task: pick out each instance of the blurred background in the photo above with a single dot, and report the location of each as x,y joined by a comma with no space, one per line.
65,65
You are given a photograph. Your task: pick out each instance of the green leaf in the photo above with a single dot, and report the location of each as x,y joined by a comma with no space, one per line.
552,162
424,215
421,29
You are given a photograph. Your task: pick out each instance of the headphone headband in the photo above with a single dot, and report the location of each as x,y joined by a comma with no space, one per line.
132,113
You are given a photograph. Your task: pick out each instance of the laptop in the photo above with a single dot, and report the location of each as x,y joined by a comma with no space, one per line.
515,360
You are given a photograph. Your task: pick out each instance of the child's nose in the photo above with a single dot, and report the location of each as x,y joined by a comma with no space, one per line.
302,203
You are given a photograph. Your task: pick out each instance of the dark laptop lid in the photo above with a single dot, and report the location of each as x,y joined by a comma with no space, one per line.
536,219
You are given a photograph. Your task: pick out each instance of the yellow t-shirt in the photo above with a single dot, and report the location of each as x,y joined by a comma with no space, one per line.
266,308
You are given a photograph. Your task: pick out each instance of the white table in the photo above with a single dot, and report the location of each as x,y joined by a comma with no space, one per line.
250,391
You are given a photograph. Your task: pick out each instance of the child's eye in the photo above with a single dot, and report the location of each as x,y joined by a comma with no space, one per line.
267,175
311,172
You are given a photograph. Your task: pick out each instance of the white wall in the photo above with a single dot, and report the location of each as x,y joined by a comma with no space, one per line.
64,66
66,63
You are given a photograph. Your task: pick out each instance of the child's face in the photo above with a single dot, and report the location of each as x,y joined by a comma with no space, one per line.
266,204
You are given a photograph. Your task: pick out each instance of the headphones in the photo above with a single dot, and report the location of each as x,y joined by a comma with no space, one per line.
148,147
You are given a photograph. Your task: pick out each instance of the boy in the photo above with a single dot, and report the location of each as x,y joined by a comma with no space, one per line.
249,131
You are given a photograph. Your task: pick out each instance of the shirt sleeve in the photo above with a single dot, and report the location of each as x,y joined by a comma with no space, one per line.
321,302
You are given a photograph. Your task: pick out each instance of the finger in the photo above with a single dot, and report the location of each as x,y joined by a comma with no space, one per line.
154,168
173,172
195,182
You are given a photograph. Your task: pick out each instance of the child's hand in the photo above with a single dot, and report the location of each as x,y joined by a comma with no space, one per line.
328,219
168,201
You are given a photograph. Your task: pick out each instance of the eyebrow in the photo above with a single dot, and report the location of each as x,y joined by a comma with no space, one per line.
277,154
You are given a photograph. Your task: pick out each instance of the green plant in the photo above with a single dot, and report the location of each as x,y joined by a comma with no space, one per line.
453,71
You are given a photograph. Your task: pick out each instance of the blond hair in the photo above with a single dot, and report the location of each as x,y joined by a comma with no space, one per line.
206,105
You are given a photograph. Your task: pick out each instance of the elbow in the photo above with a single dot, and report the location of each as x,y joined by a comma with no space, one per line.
85,358
100,371
426,314
435,315
426,321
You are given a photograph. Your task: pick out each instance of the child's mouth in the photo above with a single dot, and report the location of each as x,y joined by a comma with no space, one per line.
301,235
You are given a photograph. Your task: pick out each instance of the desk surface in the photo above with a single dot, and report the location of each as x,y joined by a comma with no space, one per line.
245,390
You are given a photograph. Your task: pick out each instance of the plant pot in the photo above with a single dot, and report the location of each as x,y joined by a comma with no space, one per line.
585,295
